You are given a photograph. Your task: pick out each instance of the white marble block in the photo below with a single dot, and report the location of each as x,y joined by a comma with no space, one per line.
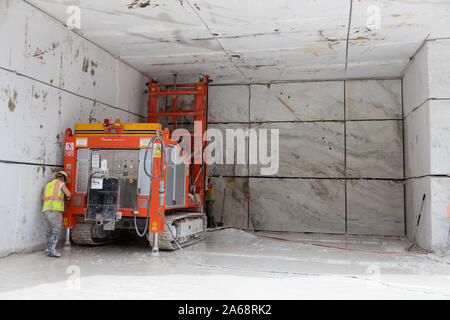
237,167
375,207
373,99
434,228
427,136
231,204
415,188
439,68
228,103
297,205
297,101
440,136
309,149
416,87
440,217
417,142
374,149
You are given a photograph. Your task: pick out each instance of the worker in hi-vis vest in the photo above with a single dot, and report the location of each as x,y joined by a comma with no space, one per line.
210,197
53,197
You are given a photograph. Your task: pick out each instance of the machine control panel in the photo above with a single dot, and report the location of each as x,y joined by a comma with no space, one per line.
122,165
126,163
119,163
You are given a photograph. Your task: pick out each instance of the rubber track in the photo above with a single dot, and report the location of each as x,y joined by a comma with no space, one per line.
165,238
82,234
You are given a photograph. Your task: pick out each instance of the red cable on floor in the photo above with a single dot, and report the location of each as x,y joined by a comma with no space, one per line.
327,246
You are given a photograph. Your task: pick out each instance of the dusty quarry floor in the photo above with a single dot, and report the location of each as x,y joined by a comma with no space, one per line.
248,267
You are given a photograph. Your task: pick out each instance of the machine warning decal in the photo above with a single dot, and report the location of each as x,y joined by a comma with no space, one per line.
82,142
97,183
154,226
95,160
69,149
157,150
143,143
104,165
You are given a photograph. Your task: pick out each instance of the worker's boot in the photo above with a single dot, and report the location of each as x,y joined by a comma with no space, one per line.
54,254
52,246
47,236
155,252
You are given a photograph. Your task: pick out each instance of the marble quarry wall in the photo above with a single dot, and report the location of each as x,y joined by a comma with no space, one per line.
426,91
50,78
341,157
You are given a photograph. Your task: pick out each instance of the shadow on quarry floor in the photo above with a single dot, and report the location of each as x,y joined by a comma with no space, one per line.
235,265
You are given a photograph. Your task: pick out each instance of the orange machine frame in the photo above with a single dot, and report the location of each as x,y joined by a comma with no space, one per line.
199,111
120,140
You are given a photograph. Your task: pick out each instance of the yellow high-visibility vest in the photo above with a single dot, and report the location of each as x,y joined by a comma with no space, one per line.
54,197
210,195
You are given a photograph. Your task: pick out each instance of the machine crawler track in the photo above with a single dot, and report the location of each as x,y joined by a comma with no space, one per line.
188,228
89,233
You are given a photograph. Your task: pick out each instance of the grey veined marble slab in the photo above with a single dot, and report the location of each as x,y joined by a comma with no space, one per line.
228,103
440,136
231,205
297,101
373,99
308,149
440,217
236,151
375,207
297,205
375,149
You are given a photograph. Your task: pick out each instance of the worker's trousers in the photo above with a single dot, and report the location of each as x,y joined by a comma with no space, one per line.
54,226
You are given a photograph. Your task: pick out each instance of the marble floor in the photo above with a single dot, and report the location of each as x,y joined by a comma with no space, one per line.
233,264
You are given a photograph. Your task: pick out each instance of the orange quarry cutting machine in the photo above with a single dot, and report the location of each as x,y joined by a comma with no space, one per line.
136,176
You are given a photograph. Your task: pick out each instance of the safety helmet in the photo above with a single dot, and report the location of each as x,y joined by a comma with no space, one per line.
62,174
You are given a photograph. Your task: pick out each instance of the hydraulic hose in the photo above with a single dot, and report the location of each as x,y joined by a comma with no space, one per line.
151,176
